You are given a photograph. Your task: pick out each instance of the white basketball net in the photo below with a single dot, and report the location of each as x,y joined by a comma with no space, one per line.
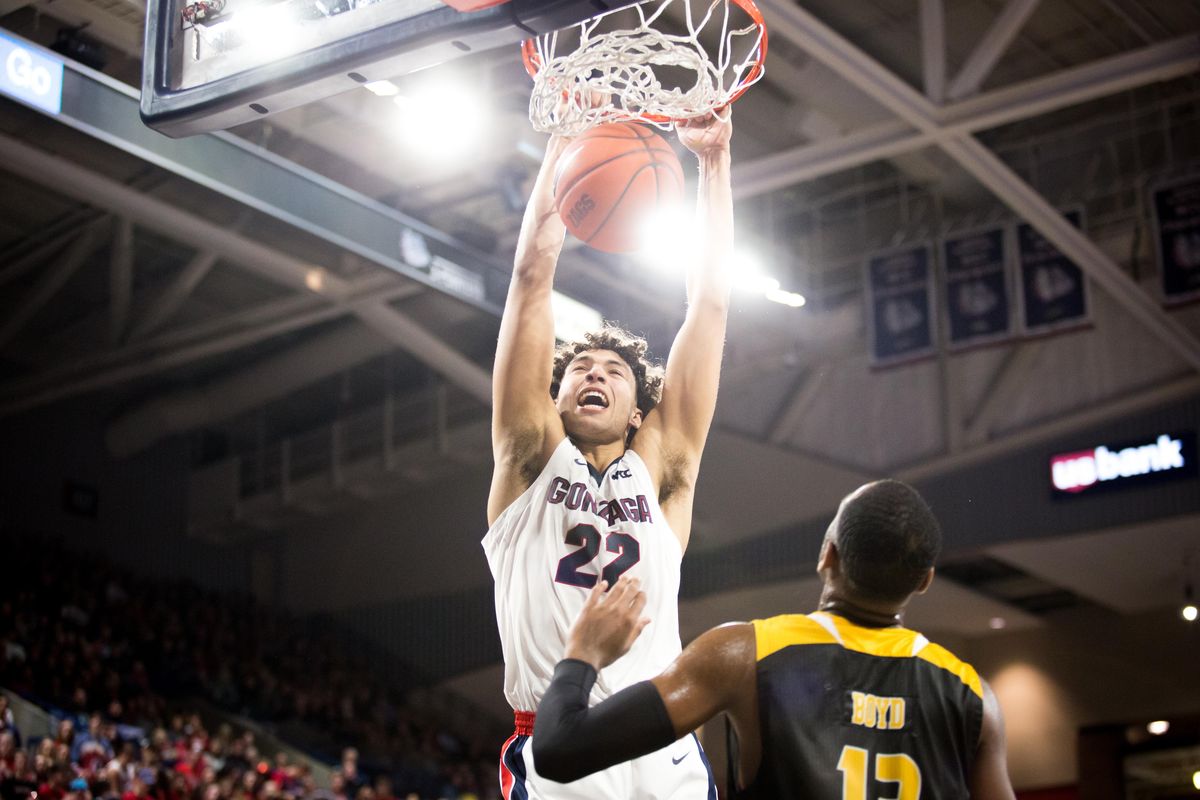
617,67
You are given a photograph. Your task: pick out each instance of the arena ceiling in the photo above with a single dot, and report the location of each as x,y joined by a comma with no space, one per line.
184,309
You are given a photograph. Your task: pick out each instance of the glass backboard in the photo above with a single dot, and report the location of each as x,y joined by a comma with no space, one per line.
213,64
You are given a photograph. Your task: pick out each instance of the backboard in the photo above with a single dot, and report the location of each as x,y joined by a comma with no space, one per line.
213,64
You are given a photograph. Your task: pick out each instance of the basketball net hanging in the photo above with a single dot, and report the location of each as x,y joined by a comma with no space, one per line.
617,73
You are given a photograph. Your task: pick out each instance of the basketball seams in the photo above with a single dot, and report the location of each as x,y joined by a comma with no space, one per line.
615,187
616,203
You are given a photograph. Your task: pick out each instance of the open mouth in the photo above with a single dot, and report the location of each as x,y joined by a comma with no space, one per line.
593,398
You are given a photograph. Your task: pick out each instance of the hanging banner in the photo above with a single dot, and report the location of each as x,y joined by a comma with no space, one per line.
975,271
1177,239
1053,289
899,290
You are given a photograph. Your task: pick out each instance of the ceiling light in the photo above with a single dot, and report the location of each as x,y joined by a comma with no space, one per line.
314,279
997,623
1158,727
668,240
786,298
1196,779
382,88
1190,612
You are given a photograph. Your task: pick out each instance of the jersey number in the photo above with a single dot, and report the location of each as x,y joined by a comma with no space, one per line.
587,539
889,768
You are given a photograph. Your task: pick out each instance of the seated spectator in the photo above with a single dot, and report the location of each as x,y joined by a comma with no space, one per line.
91,749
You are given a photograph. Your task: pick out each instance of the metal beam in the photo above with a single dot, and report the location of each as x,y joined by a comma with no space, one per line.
985,55
893,93
1008,381
98,190
41,252
429,349
1164,61
791,415
933,49
248,388
106,109
177,348
1069,422
48,285
120,279
172,297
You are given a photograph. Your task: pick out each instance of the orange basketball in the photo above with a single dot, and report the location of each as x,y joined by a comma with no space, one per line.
610,179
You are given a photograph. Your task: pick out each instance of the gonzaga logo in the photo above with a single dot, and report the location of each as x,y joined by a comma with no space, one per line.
1079,471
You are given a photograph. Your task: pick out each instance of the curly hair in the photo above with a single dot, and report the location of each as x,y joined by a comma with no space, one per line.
647,375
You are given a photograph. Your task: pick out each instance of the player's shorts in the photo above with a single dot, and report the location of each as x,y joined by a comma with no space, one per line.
679,771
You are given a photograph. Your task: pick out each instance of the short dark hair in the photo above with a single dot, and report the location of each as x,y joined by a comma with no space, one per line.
887,539
647,375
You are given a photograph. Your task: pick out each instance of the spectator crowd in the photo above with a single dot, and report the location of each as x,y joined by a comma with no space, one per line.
116,659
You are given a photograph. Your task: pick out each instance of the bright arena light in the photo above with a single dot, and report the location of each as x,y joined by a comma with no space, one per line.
1196,779
1190,612
749,275
668,240
997,623
1158,727
382,88
786,298
442,122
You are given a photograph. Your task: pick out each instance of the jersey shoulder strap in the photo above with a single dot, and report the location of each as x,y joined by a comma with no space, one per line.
941,657
775,633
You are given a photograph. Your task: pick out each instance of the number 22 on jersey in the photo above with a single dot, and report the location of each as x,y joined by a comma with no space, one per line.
587,539
889,768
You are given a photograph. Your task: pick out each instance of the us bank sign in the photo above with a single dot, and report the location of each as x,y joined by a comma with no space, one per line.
29,75
1164,457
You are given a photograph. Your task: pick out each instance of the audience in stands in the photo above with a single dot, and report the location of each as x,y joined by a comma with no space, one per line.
109,655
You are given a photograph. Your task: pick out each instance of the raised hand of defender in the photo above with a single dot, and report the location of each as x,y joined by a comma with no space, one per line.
706,134
609,623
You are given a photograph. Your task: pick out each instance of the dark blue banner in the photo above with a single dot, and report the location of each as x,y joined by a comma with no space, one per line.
1177,234
899,293
978,309
1053,289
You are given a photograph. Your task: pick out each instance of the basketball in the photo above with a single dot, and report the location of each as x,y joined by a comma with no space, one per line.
608,181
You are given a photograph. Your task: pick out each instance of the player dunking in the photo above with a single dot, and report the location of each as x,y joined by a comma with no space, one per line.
597,453
841,703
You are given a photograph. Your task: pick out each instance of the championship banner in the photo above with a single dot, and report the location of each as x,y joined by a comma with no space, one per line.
1053,289
1177,236
975,268
899,290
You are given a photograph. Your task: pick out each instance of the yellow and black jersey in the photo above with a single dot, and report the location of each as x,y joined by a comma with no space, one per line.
855,713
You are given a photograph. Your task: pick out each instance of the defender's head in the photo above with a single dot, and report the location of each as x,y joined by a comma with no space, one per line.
881,547
604,386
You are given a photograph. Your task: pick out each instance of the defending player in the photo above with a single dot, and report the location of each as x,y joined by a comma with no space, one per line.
597,453
841,703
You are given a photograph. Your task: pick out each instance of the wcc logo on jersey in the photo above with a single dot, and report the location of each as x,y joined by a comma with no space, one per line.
1168,456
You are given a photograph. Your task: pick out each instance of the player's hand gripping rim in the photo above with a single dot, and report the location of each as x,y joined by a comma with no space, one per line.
609,623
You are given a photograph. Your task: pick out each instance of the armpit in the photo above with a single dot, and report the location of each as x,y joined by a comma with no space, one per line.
676,476
521,453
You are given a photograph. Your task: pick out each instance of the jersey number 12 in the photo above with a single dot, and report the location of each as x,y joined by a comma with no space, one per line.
587,539
889,768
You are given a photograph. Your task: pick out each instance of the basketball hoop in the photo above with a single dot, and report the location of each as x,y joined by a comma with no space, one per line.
642,70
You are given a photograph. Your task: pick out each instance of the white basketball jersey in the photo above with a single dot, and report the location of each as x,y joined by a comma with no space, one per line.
548,548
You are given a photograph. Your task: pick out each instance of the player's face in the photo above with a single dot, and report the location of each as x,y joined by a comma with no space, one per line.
597,398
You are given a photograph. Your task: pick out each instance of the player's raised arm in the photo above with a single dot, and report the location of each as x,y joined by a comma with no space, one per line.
522,411
672,439
715,673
